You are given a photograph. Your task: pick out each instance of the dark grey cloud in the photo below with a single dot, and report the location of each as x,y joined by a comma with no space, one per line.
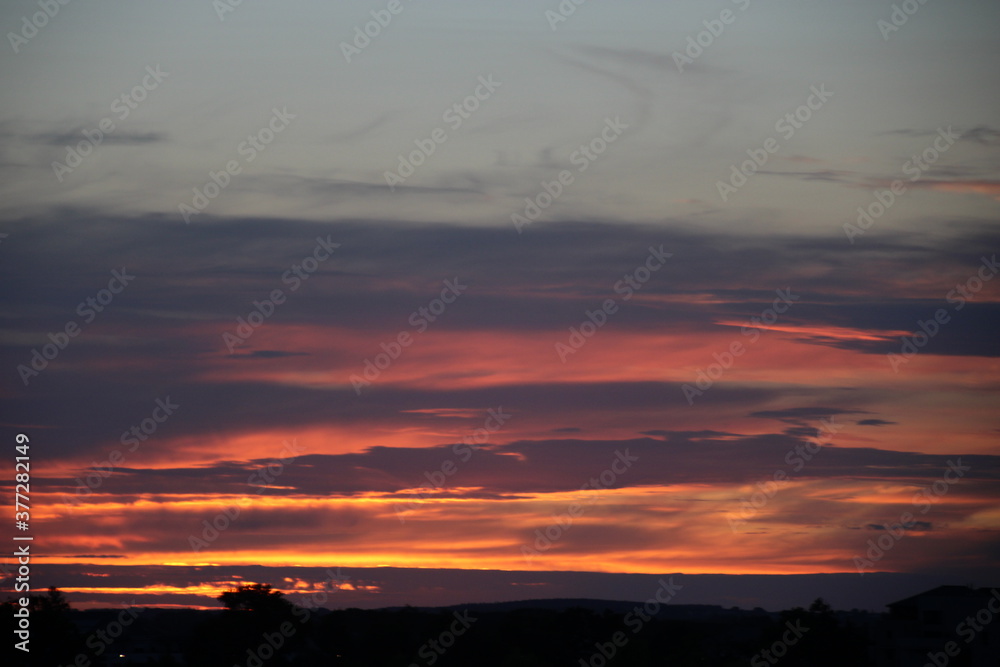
658,61
875,422
362,131
98,556
541,280
557,465
982,134
688,435
920,526
799,416
193,281
830,175
334,190
269,354
116,138
979,134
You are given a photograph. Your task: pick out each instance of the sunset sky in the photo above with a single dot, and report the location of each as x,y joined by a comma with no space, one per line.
496,302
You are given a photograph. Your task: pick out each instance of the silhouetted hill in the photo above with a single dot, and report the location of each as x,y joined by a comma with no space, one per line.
691,611
526,633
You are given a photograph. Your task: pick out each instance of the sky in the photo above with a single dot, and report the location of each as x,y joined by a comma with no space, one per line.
490,301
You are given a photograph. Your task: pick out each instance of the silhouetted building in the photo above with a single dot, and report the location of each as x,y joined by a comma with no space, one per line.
947,625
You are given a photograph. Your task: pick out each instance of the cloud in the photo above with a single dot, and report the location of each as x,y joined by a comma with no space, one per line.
335,190
689,435
921,526
194,281
987,188
979,134
361,131
830,175
982,134
269,354
875,422
539,466
800,416
98,556
117,138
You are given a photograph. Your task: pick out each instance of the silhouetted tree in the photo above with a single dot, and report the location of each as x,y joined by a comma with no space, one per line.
820,607
257,598
54,638
254,613
827,643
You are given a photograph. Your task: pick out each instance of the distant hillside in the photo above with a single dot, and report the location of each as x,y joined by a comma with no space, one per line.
682,611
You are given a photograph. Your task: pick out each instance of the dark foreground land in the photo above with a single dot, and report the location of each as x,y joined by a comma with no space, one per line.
259,627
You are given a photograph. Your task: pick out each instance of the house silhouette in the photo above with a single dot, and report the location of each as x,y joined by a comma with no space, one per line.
947,625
